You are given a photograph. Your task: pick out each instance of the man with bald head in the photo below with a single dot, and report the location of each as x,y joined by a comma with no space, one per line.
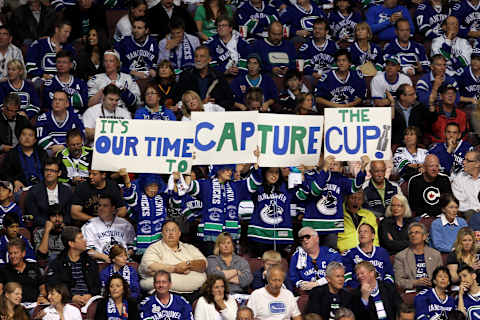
278,55
378,191
466,184
424,189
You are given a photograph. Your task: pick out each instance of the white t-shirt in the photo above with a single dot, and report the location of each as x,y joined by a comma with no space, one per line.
267,307
52,195
380,84
69,313
94,112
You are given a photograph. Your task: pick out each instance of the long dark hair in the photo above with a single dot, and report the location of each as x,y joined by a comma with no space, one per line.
222,9
271,187
101,47
208,285
126,287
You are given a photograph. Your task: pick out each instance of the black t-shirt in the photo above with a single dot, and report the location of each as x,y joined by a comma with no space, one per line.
87,196
31,279
424,196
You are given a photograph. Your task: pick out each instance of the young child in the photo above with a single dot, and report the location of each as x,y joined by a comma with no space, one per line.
11,223
6,203
269,258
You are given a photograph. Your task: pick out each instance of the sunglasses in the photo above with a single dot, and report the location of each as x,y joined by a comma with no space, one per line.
305,237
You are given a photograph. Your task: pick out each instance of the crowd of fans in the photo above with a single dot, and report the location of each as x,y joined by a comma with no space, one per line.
365,239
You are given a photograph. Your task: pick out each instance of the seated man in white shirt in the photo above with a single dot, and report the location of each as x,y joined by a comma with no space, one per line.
107,109
466,184
273,302
106,230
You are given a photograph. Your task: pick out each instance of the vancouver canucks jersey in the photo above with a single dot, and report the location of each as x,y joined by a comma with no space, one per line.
379,258
303,268
140,57
318,58
257,20
324,208
29,101
177,308
343,27
222,58
468,17
299,18
430,19
76,90
12,207
373,54
102,236
50,132
242,83
468,83
408,56
472,305
272,55
451,163
41,58
424,87
428,305
334,89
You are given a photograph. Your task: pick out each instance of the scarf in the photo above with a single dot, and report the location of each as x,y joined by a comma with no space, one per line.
302,258
112,312
377,299
124,272
186,59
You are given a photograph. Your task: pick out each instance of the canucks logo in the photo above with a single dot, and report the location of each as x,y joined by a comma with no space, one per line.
272,213
340,97
327,204
109,245
307,22
139,65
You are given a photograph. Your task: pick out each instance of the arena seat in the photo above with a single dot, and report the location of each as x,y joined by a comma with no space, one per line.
302,302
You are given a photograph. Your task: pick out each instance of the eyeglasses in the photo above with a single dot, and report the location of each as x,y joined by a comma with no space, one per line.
305,237
50,170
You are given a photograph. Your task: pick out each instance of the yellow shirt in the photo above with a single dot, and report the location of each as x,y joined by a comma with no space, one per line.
348,239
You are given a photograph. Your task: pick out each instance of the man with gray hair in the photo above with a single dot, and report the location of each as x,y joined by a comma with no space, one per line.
413,266
308,263
466,184
344,314
325,300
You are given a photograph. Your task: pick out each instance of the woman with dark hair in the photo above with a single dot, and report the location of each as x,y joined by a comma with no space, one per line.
433,302
137,8
293,88
215,302
206,15
118,256
91,57
116,302
444,229
343,21
59,309
408,159
224,262
10,307
170,92
305,103
153,110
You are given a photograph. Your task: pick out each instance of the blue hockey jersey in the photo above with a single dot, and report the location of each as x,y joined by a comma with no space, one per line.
324,208
359,57
220,205
378,17
271,219
256,20
140,57
343,27
242,83
146,113
298,18
222,58
424,87
29,101
429,305
451,163
76,90
29,252
318,58
331,88
12,207
468,17
41,58
379,258
49,132
472,305
408,56
468,84
177,308
128,273
430,19
275,56
303,268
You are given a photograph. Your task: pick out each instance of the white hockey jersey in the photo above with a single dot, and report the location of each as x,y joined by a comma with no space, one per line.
102,236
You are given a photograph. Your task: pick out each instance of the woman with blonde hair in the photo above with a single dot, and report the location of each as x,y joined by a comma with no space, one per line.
16,83
191,101
393,230
366,55
464,253
224,262
10,307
